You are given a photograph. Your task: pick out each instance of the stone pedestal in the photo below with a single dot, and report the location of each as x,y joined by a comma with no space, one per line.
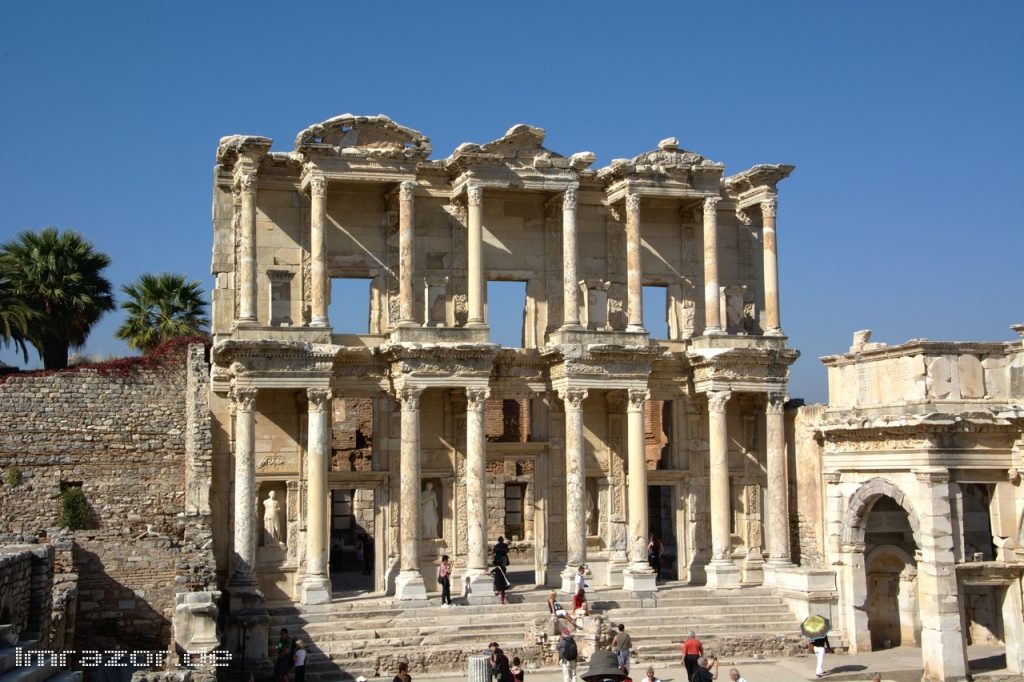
248,627
480,588
752,569
568,577
722,574
409,586
639,582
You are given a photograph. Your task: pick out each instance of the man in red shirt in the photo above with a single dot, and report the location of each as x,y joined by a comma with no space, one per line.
692,650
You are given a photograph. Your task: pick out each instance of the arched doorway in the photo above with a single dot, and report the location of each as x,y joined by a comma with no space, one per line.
892,598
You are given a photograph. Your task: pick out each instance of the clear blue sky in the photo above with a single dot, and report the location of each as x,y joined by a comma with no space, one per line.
904,119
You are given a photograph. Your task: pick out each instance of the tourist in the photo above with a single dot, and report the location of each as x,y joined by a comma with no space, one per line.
876,677
283,661
554,608
579,603
444,577
491,648
621,644
518,674
625,671
501,552
299,661
403,673
580,578
821,647
567,655
703,672
692,649
501,583
501,670
734,675
654,550
650,677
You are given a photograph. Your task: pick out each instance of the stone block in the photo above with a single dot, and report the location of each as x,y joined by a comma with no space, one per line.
972,376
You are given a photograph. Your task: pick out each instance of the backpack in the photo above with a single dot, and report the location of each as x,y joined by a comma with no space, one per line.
571,652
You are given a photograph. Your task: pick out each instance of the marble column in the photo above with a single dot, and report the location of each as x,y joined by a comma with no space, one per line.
771,270
319,280
722,572
409,583
575,485
634,272
247,249
316,586
474,248
778,481
245,488
570,257
476,498
406,251
638,576
943,641
712,298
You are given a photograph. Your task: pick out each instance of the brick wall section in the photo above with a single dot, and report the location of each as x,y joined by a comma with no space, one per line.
122,433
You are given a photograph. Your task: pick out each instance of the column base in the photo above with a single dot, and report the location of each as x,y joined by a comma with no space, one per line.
723,575
713,331
773,567
243,582
480,588
476,324
639,580
774,332
316,589
752,568
409,586
319,322
636,328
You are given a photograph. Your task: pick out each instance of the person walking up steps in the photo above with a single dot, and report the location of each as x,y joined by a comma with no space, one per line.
692,649
444,577
621,645
501,583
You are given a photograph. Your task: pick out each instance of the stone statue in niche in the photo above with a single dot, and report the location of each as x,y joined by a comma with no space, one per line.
271,520
428,511
591,520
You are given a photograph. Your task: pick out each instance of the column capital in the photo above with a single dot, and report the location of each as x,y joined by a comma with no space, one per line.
410,397
319,399
717,400
477,397
632,202
244,398
711,206
246,181
475,195
637,397
406,190
573,397
318,185
776,403
832,476
570,197
768,207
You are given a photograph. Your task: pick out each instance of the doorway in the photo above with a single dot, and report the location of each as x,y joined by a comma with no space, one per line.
353,539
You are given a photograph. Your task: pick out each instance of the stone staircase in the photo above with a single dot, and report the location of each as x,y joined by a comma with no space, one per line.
13,669
352,637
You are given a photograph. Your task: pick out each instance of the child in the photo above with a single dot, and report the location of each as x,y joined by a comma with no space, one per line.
517,670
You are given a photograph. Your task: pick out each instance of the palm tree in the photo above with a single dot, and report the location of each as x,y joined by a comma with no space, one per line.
58,276
161,307
14,318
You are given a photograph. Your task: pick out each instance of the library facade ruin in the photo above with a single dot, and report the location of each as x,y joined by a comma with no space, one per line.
429,438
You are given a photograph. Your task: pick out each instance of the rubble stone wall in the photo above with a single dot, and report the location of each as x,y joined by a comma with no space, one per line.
120,432
26,580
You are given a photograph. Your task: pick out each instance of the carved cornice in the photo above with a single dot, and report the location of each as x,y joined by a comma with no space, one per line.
268,358
743,364
242,150
761,176
437,361
932,475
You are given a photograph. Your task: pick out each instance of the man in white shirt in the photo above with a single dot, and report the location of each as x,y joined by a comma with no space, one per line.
580,578
734,675
649,677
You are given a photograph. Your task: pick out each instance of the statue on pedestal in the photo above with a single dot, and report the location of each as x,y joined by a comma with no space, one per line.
271,522
428,512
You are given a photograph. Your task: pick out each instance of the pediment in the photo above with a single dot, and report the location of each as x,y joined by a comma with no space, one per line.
364,136
523,146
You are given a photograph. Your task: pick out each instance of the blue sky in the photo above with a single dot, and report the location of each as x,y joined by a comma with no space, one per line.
904,120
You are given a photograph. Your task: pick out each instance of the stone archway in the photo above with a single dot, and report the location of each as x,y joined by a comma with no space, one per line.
862,501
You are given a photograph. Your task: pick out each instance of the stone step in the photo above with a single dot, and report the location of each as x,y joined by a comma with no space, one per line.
67,676
34,673
8,654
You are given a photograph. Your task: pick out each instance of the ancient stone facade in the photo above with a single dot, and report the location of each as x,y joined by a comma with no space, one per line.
596,415
920,449
136,439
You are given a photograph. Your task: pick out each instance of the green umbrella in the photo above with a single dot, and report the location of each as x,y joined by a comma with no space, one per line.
814,627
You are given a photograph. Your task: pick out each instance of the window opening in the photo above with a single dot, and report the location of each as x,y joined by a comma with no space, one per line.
655,300
349,309
506,312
